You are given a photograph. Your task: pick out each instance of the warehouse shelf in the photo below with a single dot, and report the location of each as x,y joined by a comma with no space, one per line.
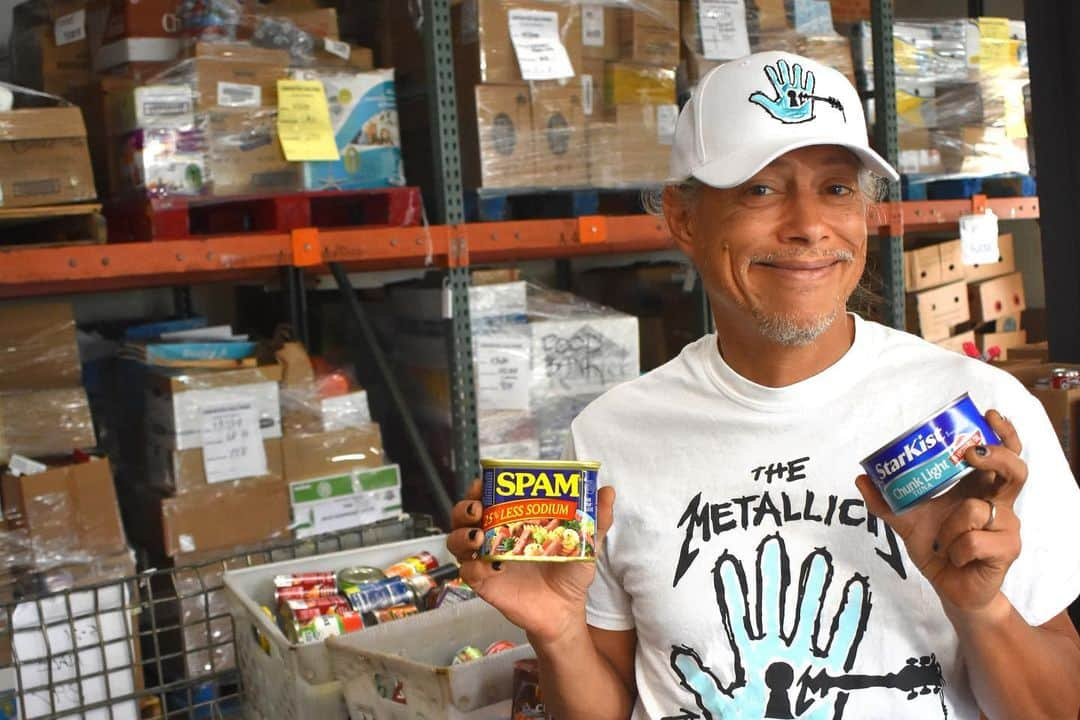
93,268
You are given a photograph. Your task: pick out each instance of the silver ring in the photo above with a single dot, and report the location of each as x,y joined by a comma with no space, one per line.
476,555
993,514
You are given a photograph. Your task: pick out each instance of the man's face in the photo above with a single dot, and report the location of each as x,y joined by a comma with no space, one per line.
785,249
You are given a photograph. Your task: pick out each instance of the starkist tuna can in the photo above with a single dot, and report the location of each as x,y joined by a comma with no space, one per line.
928,459
539,511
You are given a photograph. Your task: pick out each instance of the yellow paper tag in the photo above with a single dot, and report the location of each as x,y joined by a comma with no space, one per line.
304,121
996,49
905,55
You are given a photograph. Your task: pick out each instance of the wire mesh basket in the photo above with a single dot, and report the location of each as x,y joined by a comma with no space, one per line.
157,645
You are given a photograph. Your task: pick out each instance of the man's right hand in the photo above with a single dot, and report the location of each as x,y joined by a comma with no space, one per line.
545,599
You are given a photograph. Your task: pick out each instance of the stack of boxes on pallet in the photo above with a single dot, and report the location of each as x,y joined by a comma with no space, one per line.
59,502
953,304
961,89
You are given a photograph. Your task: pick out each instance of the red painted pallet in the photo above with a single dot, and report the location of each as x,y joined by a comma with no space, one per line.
177,217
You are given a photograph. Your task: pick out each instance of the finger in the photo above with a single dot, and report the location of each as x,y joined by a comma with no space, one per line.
774,79
875,502
466,513
1010,470
967,515
785,71
477,572
796,75
464,543
812,583
992,548
605,513
771,560
475,490
1005,430
810,82
850,621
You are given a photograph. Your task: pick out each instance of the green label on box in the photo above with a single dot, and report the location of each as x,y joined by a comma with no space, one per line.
359,480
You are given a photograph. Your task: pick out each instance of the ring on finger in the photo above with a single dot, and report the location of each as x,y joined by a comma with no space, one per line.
993,514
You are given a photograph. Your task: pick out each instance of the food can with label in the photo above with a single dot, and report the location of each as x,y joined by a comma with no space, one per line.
498,646
327,626
467,653
539,510
308,579
397,612
928,459
419,564
359,575
300,592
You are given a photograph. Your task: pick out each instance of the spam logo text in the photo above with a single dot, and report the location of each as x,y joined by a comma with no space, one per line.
512,485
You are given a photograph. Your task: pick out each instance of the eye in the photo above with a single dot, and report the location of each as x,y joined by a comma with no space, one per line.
840,190
759,190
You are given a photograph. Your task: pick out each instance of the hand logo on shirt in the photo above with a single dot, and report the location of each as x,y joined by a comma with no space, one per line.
789,672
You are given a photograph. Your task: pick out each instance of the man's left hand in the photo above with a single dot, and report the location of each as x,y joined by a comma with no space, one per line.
951,538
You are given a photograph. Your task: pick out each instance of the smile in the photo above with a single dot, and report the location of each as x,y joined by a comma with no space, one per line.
802,269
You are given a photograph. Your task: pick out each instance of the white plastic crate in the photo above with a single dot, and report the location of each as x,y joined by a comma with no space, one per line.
409,660
291,681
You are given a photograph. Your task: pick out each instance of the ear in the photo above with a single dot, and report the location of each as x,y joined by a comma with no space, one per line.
680,220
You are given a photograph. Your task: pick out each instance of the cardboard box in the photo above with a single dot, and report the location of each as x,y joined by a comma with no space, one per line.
323,454
1062,406
1002,340
483,52
633,150
1039,351
922,268
355,497
124,19
50,48
38,347
67,509
181,471
919,152
637,84
44,158
956,342
363,113
1005,265
997,297
649,33
952,263
933,313
244,155
1006,323
599,33
558,122
218,518
44,423
236,76
139,58
175,402
497,137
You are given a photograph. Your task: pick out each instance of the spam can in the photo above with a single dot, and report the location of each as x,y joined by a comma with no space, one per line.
928,459
539,511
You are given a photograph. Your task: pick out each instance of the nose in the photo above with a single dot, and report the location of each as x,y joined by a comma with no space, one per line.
804,219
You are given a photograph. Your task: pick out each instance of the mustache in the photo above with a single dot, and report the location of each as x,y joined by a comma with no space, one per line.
837,254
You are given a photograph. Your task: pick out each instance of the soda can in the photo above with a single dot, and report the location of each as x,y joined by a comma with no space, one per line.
467,653
308,579
1064,378
421,563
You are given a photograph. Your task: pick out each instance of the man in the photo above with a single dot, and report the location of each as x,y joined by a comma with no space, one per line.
749,573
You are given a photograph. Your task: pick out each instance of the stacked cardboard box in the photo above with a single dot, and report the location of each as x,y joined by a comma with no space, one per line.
1061,405
44,157
952,304
601,112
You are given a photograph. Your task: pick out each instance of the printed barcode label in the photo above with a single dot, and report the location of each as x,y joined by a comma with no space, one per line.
164,108
587,86
238,95
70,28
157,105
338,48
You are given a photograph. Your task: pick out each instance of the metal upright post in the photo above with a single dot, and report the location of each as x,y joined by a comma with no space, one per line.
442,104
892,247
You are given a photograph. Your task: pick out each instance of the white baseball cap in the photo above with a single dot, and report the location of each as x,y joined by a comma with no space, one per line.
748,112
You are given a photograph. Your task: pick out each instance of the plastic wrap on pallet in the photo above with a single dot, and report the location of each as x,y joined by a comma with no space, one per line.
563,94
961,95
44,423
538,361
38,349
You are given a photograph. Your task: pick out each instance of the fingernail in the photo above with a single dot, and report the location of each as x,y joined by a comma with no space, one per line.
473,509
981,450
473,534
496,566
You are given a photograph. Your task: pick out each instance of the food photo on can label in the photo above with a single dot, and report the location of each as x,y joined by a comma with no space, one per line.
544,538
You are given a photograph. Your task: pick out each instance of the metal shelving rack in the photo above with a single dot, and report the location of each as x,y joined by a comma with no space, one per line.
449,243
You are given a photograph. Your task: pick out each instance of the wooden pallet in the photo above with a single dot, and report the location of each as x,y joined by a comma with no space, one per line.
79,224
177,217
492,205
925,187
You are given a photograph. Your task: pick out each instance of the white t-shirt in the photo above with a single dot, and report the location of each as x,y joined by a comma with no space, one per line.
743,555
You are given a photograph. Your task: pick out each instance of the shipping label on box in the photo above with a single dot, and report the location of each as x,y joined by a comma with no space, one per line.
364,118
176,421
340,502
1006,262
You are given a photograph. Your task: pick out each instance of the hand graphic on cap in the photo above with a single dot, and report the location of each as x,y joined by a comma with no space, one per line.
794,101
